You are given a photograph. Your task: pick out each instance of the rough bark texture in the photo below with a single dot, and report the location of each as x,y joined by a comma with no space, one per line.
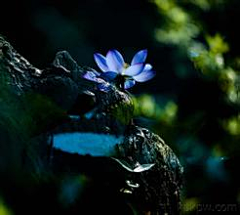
153,191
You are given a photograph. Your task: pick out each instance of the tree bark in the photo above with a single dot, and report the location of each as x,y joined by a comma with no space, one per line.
143,175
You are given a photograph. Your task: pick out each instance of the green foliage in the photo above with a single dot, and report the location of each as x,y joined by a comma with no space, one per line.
179,28
206,126
232,125
147,106
4,210
204,5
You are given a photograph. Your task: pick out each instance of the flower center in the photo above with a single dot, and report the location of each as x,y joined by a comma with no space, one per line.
125,66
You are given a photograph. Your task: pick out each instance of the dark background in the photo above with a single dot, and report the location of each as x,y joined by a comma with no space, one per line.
38,29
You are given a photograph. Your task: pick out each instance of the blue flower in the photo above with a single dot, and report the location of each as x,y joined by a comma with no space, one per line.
115,70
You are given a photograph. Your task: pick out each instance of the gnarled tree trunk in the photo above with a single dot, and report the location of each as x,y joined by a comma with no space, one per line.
141,174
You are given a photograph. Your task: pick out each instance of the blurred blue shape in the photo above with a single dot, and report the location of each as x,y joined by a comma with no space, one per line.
192,150
84,143
215,168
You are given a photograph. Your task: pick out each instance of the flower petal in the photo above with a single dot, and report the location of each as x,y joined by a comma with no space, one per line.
145,75
129,83
109,76
114,61
119,57
101,62
147,67
104,87
134,70
91,76
139,57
